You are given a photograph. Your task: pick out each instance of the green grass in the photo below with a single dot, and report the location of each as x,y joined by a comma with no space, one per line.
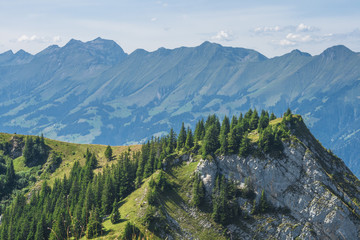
70,152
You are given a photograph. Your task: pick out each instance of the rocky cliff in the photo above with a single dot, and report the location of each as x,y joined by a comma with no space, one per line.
312,193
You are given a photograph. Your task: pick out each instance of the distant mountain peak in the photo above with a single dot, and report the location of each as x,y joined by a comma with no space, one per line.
7,53
21,52
73,42
299,53
338,50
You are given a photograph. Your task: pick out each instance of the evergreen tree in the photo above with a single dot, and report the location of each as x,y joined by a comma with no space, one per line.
211,141
198,191
263,121
266,139
254,120
41,231
287,113
272,116
107,195
10,176
171,145
234,122
189,143
225,129
199,131
182,137
108,153
244,146
115,214
94,228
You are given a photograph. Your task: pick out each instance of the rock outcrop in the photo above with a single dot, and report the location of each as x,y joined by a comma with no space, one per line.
318,192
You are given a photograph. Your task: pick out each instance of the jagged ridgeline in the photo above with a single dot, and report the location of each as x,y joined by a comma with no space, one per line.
251,176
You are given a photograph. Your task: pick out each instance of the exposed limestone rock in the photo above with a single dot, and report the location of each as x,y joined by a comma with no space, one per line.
17,144
305,181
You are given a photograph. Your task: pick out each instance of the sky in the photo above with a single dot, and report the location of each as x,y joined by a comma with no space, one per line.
270,27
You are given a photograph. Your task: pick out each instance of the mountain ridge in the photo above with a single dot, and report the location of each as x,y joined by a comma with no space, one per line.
86,95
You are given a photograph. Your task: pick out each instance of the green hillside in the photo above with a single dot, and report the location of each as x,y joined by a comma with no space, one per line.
220,181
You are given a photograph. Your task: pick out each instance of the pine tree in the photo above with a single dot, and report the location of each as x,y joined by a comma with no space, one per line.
182,137
272,116
189,143
254,120
225,129
234,122
263,121
28,150
171,144
244,146
199,131
10,176
41,231
94,228
115,214
287,113
211,141
108,153
198,191
107,195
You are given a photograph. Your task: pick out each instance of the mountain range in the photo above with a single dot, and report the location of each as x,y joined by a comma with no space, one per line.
93,92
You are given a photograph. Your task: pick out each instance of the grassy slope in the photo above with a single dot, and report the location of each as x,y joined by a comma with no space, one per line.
70,152
176,203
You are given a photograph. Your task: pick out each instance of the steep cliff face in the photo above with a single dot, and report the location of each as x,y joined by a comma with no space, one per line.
312,193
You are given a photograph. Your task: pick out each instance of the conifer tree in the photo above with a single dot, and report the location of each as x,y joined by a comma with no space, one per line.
189,143
107,196
211,141
272,116
94,227
254,120
10,176
225,129
244,146
182,137
108,153
199,131
263,121
115,214
234,121
171,145
41,231
198,191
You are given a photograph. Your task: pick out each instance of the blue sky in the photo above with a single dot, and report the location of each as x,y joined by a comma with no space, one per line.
270,27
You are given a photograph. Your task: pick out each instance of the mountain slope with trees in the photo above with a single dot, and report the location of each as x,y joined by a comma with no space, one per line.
254,176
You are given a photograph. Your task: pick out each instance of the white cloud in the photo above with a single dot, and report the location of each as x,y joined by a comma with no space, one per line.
267,29
286,42
222,36
153,19
34,38
289,28
298,37
304,28
25,38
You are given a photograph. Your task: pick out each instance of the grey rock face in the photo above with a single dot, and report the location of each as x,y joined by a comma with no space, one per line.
299,181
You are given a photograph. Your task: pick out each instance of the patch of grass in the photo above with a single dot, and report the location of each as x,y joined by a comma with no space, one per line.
275,121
